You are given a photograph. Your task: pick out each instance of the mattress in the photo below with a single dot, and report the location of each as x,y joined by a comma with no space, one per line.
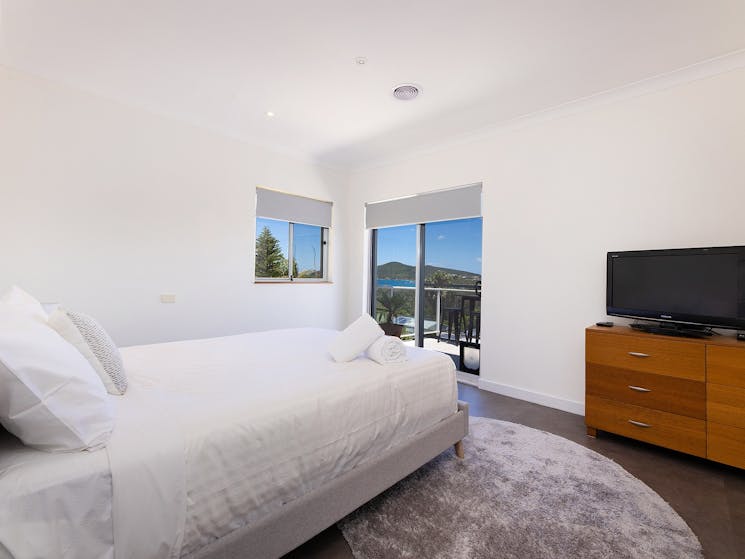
215,434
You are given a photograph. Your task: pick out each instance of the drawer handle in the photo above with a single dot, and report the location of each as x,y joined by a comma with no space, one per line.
639,388
637,354
639,423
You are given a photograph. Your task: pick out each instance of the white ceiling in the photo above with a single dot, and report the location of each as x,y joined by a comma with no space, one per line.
224,63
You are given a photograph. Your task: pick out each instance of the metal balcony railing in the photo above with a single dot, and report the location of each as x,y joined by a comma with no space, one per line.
430,327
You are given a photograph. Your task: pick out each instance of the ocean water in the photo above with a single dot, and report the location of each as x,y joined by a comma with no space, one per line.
396,283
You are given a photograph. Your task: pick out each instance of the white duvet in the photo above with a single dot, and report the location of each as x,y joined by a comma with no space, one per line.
215,434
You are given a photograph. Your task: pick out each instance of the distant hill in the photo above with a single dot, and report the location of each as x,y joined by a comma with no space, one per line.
396,271
400,271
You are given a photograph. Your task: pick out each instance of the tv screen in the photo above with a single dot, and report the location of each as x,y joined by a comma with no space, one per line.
698,286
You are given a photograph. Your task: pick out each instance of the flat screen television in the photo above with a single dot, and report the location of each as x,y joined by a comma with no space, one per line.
697,287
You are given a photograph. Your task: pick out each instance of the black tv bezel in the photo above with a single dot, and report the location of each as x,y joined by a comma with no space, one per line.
661,315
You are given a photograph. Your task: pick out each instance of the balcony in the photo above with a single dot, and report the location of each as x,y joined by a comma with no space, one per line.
440,304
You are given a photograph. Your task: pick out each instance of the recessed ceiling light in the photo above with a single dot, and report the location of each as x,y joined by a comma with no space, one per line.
360,61
270,114
406,91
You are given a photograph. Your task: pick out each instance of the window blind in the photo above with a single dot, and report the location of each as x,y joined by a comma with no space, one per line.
289,207
440,205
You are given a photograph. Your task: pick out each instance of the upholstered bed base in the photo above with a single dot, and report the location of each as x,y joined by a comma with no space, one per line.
305,517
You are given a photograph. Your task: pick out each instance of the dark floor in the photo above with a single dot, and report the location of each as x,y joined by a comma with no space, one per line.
710,497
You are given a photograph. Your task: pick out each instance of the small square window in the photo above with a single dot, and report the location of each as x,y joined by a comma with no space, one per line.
280,242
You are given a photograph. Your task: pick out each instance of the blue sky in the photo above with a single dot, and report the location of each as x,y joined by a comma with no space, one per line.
448,244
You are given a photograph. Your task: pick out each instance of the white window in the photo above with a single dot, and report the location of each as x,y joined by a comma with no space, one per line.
291,237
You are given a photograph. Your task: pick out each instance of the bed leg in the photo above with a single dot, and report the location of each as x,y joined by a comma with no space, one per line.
459,452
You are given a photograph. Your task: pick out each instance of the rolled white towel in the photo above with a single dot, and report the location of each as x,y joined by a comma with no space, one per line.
387,350
355,339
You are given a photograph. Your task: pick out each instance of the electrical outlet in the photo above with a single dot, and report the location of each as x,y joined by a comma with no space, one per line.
168,298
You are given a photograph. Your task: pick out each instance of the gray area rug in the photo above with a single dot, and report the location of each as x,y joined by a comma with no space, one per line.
520,493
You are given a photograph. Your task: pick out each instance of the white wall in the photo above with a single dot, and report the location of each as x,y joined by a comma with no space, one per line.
104,207
663,170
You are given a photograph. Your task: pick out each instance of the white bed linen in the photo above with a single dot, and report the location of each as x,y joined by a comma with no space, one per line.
265,418
54,501
211,435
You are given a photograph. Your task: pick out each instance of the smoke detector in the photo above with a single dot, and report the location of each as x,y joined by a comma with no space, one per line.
405,91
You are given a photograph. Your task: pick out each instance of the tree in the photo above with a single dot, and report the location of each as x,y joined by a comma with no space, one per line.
270,262
441,279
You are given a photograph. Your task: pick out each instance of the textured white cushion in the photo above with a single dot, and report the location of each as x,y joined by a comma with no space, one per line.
50,396
355,338
104,349
64,326
17,296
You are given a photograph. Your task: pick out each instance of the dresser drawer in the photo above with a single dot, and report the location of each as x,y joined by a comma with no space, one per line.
726,405
726,445
725,365
677,432
665,393
660,356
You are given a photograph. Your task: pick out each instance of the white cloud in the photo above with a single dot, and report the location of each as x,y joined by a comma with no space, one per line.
441,237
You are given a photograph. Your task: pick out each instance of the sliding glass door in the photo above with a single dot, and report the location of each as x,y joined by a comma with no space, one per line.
394,279
427,283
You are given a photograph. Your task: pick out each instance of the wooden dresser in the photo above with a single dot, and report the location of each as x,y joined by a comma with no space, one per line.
680,393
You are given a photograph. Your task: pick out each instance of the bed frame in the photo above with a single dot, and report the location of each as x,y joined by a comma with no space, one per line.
309,515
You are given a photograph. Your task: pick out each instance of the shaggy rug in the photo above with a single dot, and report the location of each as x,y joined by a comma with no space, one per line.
520,493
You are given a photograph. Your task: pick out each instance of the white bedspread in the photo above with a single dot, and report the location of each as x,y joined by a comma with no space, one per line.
214,434
59,502
263,419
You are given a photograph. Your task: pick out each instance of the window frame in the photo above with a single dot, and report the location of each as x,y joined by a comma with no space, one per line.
324,256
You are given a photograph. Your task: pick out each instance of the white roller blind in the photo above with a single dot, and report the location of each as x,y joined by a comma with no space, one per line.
440,205
289,207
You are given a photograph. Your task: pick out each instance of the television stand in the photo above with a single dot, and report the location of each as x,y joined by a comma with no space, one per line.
683,394
672,329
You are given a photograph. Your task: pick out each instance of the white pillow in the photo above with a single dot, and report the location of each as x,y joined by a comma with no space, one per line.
17,296
355,339
50,396
96,346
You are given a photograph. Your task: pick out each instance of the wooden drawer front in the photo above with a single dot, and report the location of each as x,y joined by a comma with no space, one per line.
650,355
726,405
725,365
670,394
678,432
726,445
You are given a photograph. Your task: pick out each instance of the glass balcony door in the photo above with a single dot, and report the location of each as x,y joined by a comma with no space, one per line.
395,262
426,282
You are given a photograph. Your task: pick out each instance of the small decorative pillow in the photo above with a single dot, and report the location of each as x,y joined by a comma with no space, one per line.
92,341
50,396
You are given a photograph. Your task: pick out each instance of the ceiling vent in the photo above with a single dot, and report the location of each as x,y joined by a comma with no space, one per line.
406,92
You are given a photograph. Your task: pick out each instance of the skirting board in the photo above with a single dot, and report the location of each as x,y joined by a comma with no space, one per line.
467,378
535,397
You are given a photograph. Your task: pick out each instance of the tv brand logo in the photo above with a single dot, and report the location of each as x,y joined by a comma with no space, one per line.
666,316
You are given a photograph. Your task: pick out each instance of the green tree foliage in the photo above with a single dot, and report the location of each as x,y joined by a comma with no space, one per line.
270,262
440,278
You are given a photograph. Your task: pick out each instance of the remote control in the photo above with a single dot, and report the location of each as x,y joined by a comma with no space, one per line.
606,324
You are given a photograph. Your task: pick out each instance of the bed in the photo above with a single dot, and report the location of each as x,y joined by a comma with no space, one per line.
240,446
